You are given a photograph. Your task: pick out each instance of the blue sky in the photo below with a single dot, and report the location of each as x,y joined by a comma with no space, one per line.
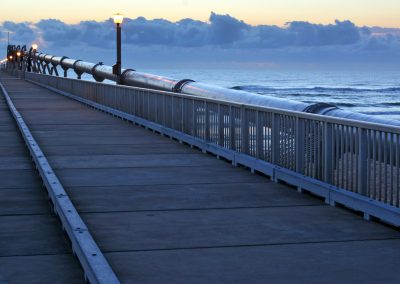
185,34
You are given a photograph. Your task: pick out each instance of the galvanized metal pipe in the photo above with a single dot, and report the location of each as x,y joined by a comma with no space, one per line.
139,79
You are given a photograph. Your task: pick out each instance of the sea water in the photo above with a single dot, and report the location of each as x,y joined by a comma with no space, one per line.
369,92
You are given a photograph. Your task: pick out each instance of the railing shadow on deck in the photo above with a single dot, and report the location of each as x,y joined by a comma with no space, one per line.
353,163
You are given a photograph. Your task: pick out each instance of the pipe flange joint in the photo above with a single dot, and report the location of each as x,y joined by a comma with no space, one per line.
124,74
318,108
178,87
97,78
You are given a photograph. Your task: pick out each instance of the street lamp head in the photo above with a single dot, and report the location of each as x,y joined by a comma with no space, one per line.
34,46
11,57
18,54
118,18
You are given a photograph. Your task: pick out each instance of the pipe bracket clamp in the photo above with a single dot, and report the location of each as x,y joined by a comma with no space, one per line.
61,60
74,67
318,107
124,74
178,87
97,78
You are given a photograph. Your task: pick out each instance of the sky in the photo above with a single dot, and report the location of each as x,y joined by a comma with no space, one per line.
385,13
285,34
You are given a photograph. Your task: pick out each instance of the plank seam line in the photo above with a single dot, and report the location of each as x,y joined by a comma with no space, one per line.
35,254
94,264
203,209
258,245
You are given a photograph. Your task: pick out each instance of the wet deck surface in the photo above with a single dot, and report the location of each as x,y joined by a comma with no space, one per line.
162,212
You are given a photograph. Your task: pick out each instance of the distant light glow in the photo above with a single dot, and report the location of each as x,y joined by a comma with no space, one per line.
34,46
118,18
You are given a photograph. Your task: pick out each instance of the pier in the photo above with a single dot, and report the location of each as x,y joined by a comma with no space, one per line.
112,184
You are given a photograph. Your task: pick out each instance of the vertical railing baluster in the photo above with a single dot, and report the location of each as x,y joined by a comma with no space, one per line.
221,125
259,136
207,121
362,162
328,153
244,126
275,139
299,144
231,128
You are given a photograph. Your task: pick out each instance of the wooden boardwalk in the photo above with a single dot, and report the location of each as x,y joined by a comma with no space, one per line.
162,212
32,245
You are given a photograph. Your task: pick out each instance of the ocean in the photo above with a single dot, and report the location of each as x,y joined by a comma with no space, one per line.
369,92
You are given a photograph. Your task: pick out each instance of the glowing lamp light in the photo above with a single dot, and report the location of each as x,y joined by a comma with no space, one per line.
11,57
34,46
118,18
18,54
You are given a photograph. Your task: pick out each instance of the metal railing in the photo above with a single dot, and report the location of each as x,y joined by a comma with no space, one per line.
358,157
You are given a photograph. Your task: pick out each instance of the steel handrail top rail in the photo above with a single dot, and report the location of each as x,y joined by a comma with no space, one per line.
303,115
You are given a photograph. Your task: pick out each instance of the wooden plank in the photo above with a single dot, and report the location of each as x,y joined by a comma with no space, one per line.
187,196
31,235
23,201
342,262
158,230
60,268
224,173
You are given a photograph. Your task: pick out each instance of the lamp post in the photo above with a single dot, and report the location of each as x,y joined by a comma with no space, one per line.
32,50
12,62
118,18
18,60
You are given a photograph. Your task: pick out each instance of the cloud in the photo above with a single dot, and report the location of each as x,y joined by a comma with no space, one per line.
224,36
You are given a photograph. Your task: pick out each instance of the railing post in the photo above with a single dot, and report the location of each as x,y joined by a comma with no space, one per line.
194,119
244,125
182,129
207,117
299,142
259,136
172,112
275,139
231,129
221,126
362,162
328,152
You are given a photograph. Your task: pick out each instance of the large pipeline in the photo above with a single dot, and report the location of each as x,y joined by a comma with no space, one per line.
131,77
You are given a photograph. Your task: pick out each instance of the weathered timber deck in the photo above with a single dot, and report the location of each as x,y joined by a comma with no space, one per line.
32,246
162,212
